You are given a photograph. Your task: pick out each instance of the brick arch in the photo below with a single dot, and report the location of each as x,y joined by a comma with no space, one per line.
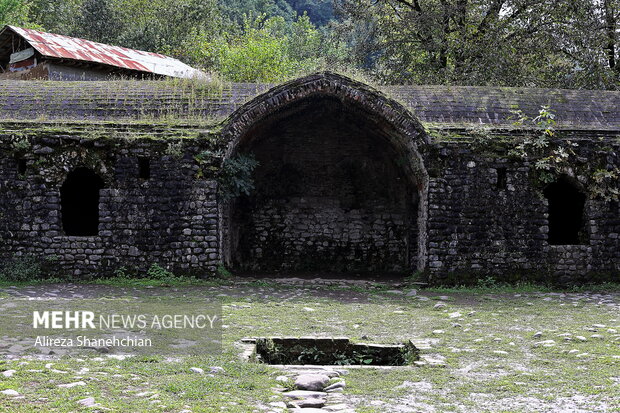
403,132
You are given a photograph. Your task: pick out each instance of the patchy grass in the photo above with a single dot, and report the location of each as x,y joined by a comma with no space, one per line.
136,385
494,361
525,288
150,282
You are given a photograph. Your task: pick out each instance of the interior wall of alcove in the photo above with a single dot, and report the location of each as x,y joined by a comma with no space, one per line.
331,194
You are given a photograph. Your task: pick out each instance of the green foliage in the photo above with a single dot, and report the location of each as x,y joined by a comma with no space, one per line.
154,25
310,355
549,156
122,273
154,277
58,16
20,144
514,43
235,177
307,353
417,276
605,184
14,12
289,385
237,10
265,49
22,268
553,43
175,149
157,272
321,12
223,272
256,55
487,283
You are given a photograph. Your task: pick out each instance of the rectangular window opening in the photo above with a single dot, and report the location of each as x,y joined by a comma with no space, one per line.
144,168
502,178
21,166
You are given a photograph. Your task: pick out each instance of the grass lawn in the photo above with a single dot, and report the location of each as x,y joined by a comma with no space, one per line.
502,350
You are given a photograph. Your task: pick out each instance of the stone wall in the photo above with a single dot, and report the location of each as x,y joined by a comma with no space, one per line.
169,219
335,202
319,234
479,226
348,180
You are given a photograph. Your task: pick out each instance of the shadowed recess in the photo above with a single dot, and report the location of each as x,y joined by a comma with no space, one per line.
80,202
566,205
331,193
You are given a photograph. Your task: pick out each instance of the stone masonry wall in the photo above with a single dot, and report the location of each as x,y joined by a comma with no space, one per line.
169,219
318,234
348,196
477,228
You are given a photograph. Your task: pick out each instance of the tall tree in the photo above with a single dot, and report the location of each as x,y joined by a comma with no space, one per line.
512,42
56,16
13,12
237,10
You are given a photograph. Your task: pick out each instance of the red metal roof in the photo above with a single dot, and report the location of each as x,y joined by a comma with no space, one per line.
64,47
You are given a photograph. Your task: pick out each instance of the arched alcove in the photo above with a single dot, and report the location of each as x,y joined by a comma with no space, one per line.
340,185
566,212
79,196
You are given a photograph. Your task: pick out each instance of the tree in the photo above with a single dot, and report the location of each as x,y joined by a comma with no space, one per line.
99,21
589,40
265,50
236,11
56,16
13,12
320,12
510,42
151,25
162,25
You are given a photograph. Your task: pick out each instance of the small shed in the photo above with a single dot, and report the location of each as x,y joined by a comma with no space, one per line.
32,54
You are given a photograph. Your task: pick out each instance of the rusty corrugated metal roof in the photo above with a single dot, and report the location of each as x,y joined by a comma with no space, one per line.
64,47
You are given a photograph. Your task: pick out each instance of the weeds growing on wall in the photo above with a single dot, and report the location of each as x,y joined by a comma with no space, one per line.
235,176
605,184
174,149
20,144
551,156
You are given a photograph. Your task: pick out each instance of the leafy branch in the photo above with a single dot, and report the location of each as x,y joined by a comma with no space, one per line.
234,175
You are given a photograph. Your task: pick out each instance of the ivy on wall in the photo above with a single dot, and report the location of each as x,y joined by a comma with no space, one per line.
234,175
550,155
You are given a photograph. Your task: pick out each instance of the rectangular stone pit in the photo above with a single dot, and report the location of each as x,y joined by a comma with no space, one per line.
333,351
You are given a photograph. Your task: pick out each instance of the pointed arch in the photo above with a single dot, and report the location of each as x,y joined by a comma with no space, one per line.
402,128
388,133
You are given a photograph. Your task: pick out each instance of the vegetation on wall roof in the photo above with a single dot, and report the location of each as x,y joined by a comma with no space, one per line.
204,103
127,129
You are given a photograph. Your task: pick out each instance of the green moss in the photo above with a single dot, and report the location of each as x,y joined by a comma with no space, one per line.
126,129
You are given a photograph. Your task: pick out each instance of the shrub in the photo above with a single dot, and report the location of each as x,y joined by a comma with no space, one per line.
157,272
22,268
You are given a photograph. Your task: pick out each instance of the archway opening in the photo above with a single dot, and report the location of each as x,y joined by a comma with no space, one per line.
332,194
80,202
566,209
